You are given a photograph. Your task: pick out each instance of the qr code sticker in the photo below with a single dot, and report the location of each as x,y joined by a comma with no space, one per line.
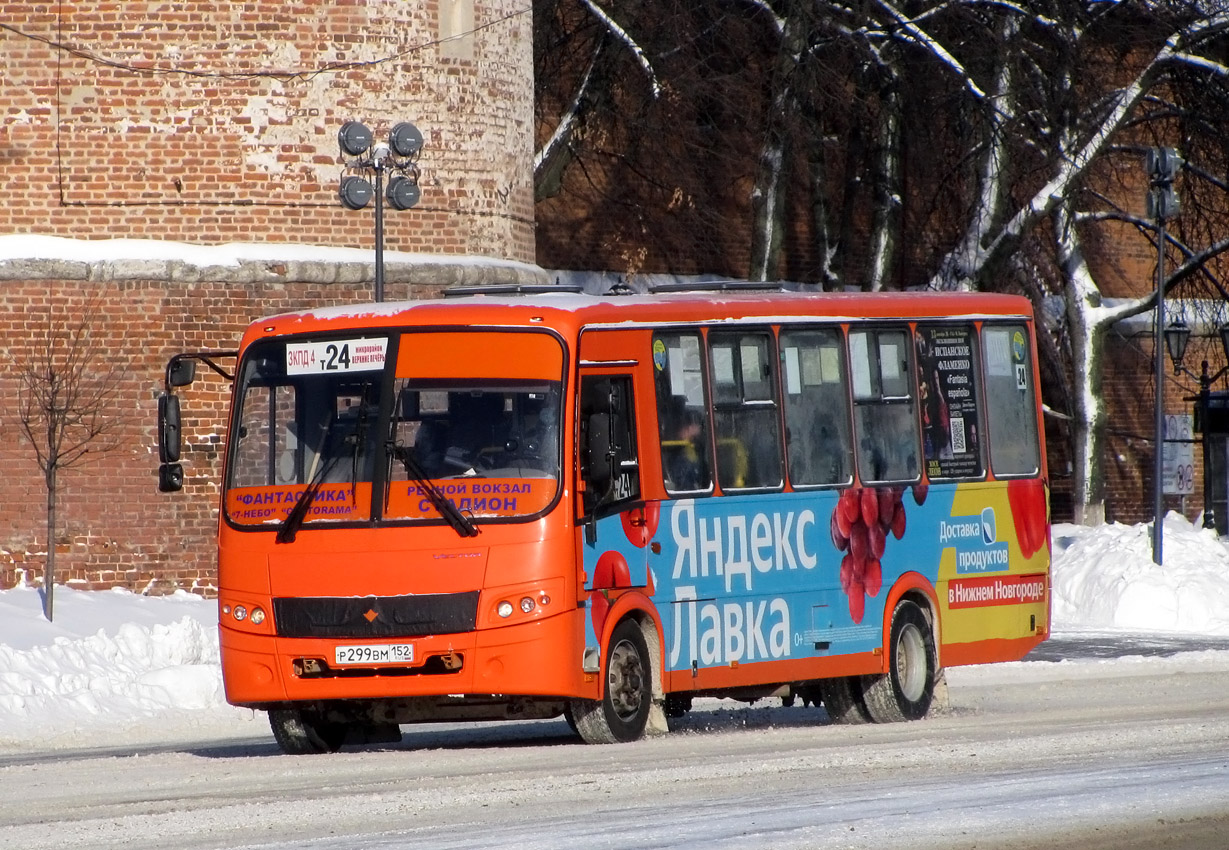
958,443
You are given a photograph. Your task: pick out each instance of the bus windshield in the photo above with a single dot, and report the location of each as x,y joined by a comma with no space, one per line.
491,449
322,440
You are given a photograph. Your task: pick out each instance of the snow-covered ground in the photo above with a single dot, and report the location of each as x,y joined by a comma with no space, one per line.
116,667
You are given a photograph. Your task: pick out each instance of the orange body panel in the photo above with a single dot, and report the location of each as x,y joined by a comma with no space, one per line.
549,651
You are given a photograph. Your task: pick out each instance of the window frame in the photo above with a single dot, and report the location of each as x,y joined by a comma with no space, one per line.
844,435
882,399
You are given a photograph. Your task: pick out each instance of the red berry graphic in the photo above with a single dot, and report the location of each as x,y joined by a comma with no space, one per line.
888,499
898,521
850,505
877,538
857,600
640,524
840,539
858,542
870,507
843,523
873,578
610,571
846,572
1028,513
860,524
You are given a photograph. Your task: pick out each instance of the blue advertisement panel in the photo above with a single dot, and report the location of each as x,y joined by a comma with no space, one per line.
788,576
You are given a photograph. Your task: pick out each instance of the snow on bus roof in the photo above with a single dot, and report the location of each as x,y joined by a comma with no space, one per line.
968,305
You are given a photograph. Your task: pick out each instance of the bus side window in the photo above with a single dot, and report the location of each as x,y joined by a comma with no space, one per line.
1010,400
885,409
682,413
818,446
745,414
608,460
269,449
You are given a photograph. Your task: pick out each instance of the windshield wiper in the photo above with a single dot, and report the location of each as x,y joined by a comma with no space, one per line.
461,524
298,513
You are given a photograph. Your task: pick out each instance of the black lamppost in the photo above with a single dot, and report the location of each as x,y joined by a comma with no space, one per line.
1177,335
399,156
1162,165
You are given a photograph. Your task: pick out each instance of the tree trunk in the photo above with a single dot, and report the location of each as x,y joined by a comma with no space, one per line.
1086,324
885,226
769,195
1088,426
49,564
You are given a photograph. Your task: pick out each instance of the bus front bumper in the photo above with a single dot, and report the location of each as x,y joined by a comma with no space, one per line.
538,658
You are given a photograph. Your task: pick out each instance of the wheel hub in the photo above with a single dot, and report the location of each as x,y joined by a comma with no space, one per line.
625,679
911,663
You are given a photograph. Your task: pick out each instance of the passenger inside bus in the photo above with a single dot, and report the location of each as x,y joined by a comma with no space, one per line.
686,467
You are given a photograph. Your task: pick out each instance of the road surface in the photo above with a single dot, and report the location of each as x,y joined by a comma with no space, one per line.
1088,754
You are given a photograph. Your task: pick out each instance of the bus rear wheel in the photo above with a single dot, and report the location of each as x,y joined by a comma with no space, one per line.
907,689
299,732
627,694
842,699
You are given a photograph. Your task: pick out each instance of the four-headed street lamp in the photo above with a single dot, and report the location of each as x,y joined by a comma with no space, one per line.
1177,335
399,157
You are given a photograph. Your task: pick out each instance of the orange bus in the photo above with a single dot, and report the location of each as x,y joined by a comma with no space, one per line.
522,502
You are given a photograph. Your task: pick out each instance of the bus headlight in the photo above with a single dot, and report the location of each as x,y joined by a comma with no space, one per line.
504,609
527,604
240,612
258,616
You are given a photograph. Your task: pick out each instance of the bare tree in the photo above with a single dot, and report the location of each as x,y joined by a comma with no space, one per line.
66,389
948,144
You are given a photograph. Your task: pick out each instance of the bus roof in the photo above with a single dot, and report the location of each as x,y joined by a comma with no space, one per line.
570,311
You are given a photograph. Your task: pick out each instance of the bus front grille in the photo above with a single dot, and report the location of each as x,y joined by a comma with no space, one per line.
376,616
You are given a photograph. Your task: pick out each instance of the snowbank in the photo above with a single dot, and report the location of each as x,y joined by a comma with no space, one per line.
119,667
1104,578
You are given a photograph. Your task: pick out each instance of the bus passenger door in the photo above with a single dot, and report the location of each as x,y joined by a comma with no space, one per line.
618,527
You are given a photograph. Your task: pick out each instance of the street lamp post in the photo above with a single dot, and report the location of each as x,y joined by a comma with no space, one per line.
1162,165
1177,335
399,156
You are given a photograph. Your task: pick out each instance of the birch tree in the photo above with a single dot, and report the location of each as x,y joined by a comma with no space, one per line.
962,144
1085,130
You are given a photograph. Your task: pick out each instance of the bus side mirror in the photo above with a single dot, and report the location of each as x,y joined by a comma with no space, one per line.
168,428
170,478
180,372
170,471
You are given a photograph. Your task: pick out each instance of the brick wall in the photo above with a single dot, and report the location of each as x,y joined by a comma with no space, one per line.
115,528
213,123
217,122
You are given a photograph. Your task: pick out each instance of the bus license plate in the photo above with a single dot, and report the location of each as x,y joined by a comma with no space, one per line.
393,653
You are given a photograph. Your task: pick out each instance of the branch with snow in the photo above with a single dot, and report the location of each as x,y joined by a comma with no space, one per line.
630,43
566,127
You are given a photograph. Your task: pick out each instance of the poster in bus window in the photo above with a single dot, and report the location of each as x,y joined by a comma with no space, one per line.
947,401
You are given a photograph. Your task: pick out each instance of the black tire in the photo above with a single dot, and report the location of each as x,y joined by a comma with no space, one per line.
570,718
299,733
627,695
842,699
906,691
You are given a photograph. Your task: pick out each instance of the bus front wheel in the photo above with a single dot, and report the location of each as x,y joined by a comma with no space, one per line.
627,694
299,733
907,689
